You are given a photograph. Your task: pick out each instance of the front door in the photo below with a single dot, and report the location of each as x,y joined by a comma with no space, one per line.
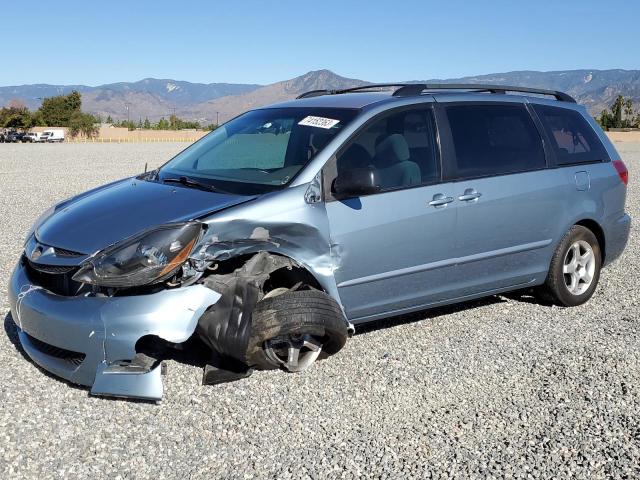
394,248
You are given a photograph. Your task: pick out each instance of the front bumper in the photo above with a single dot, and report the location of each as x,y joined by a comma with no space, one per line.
80,338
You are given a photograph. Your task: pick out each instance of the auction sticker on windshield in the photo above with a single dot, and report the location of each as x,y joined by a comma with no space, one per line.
320,122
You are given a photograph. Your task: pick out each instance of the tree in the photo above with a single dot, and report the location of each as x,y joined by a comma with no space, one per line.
616,110
147,124
109,119
621,115
82,123
15,117
173,122
628,111
37,119
57,111
162,124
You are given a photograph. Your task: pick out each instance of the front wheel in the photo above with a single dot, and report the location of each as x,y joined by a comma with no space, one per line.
292,330
575,269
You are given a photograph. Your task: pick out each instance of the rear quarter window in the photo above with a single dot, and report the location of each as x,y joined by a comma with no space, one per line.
572,138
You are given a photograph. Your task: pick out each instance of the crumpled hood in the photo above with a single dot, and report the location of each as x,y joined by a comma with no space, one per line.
101,217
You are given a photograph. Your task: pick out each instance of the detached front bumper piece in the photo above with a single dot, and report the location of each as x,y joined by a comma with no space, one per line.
90,340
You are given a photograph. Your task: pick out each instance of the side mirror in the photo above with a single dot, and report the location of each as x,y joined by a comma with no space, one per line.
355,183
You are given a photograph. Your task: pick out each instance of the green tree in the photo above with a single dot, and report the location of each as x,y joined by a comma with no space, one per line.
15,117
616,111
162,124
82,123
57,111
109,119
37,119
628,112
147,124
605,119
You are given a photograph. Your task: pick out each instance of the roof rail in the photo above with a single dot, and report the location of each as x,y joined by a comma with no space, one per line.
418,88
317,93
410,89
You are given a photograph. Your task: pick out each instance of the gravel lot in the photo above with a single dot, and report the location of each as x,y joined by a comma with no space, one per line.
500,387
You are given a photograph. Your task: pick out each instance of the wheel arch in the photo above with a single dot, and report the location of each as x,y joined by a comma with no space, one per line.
598,231
286,275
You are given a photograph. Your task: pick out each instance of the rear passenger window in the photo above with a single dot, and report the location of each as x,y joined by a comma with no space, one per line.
572,138
401,147
494,140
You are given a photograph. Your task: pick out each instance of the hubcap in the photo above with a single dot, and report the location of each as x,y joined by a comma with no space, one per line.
579,267
294,352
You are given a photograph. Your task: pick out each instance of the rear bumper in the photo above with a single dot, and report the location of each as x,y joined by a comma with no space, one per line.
79,338
616,237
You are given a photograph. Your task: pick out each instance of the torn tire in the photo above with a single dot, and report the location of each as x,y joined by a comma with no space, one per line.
307,320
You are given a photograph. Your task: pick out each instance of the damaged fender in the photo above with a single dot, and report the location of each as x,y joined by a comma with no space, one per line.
295,227
294,234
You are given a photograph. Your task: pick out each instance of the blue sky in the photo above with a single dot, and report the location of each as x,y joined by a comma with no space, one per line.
96,42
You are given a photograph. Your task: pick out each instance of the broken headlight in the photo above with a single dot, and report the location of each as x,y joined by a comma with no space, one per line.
144,259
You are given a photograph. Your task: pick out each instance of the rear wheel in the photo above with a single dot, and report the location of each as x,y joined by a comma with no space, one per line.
291,330
575,269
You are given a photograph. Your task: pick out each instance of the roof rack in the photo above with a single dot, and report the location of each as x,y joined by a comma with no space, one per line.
418,88
410,89
317,93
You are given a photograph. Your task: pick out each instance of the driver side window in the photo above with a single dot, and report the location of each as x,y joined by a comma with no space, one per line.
401,147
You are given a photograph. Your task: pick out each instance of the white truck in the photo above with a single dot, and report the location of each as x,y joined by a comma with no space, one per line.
52,136
31,137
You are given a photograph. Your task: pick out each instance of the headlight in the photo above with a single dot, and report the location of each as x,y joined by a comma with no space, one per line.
143,259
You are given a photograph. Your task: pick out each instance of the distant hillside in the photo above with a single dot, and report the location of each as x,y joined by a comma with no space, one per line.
230,106
150,97
154,98
595,89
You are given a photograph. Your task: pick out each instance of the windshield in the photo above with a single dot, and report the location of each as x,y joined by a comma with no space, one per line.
259,151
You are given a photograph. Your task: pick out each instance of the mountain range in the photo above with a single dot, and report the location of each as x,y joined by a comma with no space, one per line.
155,98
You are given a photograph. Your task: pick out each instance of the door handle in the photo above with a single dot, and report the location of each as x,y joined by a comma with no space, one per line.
469,194
439,200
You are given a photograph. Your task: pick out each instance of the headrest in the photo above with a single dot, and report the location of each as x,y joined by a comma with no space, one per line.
391,150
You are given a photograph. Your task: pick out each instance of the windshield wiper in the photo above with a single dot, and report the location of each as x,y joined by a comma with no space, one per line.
190,182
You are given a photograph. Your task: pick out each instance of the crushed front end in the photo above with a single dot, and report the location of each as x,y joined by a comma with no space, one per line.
88,337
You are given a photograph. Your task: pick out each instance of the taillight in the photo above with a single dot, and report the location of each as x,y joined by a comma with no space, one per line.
622,171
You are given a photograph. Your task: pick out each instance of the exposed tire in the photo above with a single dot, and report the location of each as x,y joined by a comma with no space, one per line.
573,274
293,316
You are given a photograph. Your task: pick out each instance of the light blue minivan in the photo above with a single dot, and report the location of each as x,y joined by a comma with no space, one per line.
267,241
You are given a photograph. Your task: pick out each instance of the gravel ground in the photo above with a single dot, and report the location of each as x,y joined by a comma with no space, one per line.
496,388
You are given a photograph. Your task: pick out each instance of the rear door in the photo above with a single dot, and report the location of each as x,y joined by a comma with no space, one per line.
507,198
395,248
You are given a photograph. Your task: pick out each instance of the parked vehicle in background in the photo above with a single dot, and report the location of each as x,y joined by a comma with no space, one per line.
52,136
274,234
13,136
31,137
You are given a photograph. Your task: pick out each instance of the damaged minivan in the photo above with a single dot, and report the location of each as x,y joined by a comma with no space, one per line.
265,242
